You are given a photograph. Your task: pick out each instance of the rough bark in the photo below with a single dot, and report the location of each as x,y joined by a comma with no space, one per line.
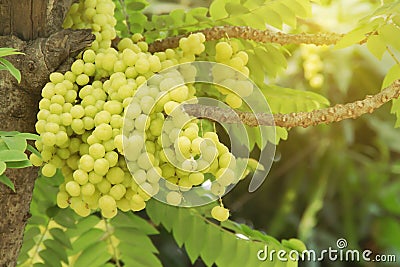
24,26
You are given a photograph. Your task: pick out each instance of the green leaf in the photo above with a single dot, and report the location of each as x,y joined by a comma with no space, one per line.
57,248
5,180
138,256
94,255
211,250
50,258
235,9
392,75
87,239
37,220
132,220
273,18
125,234
7,51
195,241
227,250
33,150
19,164
3,167
354,37
376,46
65,218
390,33
9,133
12,155
29,136
61,237
286,13
286,100
31,233
15,142
83,226
217,9
10,67
27,245
294,244
136,5
181,226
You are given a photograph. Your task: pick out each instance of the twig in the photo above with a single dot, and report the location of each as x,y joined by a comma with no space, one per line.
336,113
248,33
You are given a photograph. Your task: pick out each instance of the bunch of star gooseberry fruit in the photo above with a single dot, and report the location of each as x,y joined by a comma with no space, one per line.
85,134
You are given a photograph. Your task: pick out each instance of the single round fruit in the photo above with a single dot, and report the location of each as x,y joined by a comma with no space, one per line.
220,213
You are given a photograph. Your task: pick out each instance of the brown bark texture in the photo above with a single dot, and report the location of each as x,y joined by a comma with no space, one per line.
34,28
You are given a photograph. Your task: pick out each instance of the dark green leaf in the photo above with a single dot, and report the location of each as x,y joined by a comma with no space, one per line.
33,150
136,6
51,212
31,233
5,180
19,164
37,220
65,218
59,235
57,248
50,258
27,245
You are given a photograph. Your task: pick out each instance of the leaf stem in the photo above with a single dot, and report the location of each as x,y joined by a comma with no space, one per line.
36,251
114,248
123,8
392,55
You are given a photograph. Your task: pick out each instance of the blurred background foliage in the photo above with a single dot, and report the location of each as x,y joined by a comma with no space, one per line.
330,181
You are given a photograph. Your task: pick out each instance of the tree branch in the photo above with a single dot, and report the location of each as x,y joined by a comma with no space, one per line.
336,113
248,33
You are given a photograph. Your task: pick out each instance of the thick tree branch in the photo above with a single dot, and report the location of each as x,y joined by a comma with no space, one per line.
248,33
336,113
18,109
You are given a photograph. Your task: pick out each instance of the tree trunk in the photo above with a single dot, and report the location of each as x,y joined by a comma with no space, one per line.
33,27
